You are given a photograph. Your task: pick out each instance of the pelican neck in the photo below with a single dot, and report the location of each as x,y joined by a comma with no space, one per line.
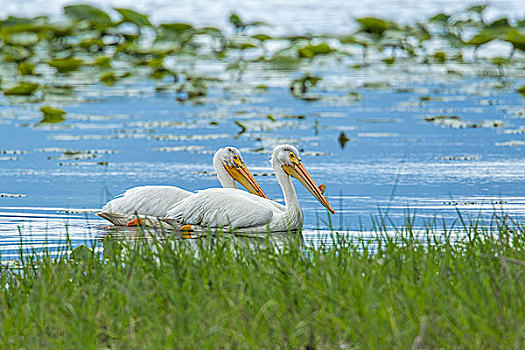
290,197
224,177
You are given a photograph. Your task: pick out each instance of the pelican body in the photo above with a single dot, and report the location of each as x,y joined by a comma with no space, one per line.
153,202
233,209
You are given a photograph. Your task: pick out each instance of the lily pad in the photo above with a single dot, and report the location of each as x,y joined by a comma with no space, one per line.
66,65
103,62
313,50
88,13
374,25
26,68
109,78
173,31
23,89
440,18
521,90
131,16
516,38
284,62
52,115
477,8
453,121
261,37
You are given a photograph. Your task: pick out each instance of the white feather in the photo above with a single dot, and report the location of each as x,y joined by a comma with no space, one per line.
146,200
238,210
207,209
153,202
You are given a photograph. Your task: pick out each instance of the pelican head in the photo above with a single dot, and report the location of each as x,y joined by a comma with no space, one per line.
230,158
288,157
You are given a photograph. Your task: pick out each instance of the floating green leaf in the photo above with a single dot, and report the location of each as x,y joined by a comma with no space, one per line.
26,68
137,18
374,25
52,115
481,38
66,65
440,57
516,38
499,23
521,90
477,8
361,39
440,18
284,62
313,50
103,62
236,21
23,89
245,46
241,25
377,85
241,125
174,33
109,78
88,13
176,27
261,37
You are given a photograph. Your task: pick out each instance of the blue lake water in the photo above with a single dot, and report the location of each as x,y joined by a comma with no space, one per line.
395,161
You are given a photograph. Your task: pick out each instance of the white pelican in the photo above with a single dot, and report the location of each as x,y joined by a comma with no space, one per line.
153,202
235,209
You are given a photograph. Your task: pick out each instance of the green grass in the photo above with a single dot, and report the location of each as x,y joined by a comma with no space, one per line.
406,291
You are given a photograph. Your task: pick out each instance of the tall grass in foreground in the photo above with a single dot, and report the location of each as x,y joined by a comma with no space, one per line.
398,292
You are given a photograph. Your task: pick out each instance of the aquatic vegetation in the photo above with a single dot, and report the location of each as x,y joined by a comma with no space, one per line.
454,121
22,89
343,139
90,43
52,115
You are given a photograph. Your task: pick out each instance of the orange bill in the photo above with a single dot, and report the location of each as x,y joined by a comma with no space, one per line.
300,173
245,178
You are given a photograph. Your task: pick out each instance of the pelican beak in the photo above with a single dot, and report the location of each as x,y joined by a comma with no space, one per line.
300,173
245,178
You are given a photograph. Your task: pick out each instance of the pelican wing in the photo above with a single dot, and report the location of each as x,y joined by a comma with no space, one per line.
224,207
146,200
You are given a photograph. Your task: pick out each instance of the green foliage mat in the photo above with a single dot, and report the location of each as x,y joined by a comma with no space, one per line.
438,289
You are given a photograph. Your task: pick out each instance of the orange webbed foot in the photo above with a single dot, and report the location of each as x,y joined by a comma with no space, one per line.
134,222
186,228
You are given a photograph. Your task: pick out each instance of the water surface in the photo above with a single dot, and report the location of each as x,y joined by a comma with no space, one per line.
397,158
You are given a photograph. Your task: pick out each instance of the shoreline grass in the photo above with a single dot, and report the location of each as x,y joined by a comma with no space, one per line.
402,291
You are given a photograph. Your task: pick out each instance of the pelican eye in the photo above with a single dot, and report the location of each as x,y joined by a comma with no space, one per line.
237,160
293,158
